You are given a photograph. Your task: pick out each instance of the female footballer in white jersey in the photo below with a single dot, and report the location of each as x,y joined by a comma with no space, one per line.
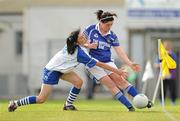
106,39
61,66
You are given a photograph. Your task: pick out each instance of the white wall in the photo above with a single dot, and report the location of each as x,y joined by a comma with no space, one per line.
9,62
12,82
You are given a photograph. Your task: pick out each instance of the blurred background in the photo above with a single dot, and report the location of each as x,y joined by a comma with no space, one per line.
32,31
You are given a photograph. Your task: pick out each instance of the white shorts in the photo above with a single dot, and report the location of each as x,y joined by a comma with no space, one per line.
99,72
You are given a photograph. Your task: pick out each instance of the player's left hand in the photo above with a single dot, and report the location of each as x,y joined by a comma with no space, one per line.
135,67
123,73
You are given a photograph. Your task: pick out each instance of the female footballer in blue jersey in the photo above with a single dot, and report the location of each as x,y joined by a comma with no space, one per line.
60,66
106,39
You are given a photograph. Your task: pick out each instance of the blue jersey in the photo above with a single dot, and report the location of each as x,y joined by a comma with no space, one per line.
105,42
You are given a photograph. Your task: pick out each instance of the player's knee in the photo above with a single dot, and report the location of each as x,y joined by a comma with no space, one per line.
114,89
78,83
123,84
41,99
111,85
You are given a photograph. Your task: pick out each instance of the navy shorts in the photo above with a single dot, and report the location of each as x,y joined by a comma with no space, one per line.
51,77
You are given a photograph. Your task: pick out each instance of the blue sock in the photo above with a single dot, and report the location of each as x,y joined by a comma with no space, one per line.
119,96
131,90
26,101
72,95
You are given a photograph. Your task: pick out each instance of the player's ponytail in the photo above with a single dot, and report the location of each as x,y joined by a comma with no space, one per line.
72,41
105,17
99,14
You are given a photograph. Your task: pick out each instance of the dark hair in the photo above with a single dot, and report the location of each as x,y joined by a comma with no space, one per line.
72,41
105,17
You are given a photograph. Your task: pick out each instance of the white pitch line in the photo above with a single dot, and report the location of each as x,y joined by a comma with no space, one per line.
168,114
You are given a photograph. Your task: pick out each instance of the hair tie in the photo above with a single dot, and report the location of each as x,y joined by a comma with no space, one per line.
70,38
106,18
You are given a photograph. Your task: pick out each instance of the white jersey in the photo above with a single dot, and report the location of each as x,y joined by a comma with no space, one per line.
65,62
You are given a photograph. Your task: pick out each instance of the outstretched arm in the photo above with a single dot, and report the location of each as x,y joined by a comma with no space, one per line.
121,53
84,58
107,67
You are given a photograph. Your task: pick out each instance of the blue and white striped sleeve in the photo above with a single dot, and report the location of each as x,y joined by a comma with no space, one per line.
88,30
84,58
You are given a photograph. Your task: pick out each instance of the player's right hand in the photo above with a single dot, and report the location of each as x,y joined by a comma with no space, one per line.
91,45
135,67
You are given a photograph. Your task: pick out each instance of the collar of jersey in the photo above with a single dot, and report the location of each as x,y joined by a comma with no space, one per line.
97,28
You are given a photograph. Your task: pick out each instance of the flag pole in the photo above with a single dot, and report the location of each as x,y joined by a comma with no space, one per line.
160,80
162,87
157,86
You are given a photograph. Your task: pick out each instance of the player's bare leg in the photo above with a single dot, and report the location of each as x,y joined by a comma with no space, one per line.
77,82
124,85
106,80
41,98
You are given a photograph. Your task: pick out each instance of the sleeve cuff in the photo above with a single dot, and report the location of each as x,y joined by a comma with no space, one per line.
115,44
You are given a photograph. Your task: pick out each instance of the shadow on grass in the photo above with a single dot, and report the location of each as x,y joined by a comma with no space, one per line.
100,111
122,111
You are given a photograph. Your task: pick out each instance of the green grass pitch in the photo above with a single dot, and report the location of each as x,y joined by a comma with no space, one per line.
93,110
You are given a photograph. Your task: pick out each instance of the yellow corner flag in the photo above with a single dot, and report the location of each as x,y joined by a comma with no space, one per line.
167,61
